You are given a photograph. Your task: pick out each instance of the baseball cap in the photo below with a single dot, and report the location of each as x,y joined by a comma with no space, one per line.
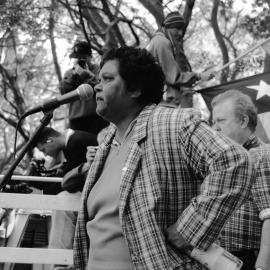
81,49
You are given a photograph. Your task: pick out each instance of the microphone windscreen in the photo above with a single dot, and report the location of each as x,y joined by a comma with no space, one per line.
85,91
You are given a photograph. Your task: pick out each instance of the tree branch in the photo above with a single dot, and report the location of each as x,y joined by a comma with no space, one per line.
19,101
220,40
114,27
13,123
53,46
188,13
155,8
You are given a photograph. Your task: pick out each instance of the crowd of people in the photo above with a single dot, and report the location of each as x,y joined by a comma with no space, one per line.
156,180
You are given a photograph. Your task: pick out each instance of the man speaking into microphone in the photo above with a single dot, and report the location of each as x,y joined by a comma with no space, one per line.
82,113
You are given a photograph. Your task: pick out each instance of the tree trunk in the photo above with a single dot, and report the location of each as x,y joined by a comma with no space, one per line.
220,40
188,12
53,46
155,8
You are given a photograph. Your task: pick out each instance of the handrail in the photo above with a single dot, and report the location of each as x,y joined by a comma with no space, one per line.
36,255
11,254
33,178
41,202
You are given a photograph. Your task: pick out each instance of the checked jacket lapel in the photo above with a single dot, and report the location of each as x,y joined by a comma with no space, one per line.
132,163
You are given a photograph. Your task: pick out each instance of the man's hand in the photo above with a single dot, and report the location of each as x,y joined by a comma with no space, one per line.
175,239
206,76
90,154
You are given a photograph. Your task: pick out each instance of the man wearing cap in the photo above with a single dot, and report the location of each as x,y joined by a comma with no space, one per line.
167,47
82,113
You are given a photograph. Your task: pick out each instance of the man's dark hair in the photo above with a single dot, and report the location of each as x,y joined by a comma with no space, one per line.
139,70
46,133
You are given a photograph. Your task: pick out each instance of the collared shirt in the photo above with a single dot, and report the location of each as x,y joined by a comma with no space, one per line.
243,231
68,133
178,170
252,142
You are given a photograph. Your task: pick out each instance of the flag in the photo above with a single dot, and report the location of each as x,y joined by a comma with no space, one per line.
258,88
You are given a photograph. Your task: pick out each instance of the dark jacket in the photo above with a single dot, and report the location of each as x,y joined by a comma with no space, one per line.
75,151
82,113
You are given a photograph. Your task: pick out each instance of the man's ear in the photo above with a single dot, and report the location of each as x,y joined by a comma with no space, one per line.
136,93
244,121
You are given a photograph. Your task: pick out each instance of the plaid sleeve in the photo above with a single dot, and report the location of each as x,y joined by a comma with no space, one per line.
261,187
81,241
81,245
226,171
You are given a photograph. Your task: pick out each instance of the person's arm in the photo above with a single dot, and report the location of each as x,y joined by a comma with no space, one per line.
261,197
173,75
74,179
263,259
162,51
227,173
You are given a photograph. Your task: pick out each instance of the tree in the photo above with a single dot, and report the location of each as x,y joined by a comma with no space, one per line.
257,23
35,37
24,69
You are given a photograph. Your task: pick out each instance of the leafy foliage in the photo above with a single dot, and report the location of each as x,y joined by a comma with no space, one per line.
258,25
36,36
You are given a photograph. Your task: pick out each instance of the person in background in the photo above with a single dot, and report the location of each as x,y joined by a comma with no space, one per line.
73,146
74,180
167,47
82,113
247,234
162,180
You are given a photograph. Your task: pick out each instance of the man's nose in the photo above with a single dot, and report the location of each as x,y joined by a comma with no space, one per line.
216,127
180,32
97,87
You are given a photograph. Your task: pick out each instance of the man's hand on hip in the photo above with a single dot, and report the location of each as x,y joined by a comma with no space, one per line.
175,238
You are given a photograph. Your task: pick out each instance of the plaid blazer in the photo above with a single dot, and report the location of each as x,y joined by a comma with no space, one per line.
178,170
243,231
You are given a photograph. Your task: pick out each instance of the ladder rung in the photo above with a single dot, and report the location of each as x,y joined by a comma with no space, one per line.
36,255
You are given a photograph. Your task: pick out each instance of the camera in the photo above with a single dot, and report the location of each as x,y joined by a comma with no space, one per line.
37,168
82,63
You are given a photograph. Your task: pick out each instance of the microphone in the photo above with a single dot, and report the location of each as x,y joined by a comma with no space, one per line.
83,92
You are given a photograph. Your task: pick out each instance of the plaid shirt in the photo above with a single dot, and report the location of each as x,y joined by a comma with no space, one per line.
178,170
243,231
